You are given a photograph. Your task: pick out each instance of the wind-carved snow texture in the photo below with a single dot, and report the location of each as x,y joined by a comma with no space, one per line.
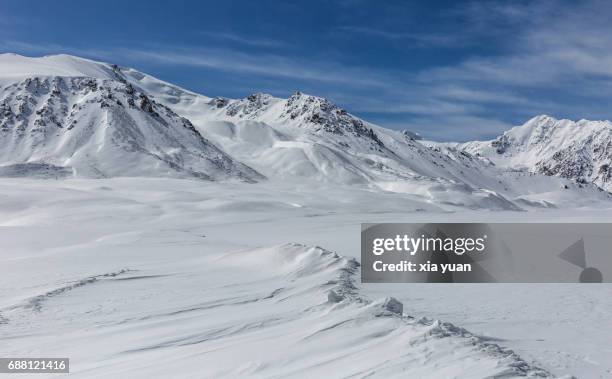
255,313
205,293
36,303
280,311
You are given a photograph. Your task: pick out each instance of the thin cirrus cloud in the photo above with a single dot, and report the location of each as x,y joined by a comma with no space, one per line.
552,45
396,92
435,109
552,59
424,40
272,65
223,36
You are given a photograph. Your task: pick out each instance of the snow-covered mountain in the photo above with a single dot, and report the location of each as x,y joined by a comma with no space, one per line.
306,137
581,151
61,115
67,116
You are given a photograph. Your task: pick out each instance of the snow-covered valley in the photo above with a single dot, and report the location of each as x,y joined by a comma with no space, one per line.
169,277
148,231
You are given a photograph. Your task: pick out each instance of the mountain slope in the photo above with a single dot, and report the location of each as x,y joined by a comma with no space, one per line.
581,151
64,116
305,137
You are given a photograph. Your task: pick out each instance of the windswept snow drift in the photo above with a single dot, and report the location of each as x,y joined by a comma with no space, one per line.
276,312
163,277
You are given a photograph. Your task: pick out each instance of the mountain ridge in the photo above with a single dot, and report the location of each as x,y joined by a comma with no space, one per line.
131,124
99,126
577,150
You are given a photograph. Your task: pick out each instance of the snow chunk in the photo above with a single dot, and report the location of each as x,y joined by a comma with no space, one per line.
393,305
334,297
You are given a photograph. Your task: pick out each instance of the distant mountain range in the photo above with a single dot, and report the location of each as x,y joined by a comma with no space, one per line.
581,151
64,116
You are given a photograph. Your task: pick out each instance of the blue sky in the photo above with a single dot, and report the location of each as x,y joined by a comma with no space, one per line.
447,69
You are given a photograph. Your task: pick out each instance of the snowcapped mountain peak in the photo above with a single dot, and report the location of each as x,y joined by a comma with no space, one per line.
326,116
303,105
260,98
577,150
411,136
306,112
251,106
541,118
65,116
14,67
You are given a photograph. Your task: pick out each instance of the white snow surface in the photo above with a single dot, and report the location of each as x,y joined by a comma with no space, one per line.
169,277
67,116
147,272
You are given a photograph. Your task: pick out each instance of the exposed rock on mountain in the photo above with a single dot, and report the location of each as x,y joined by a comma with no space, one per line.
581,151
67,116
98,126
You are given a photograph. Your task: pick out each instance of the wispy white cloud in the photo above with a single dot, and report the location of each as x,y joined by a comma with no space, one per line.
552,44
273,65
433,105
222,59
31,48
553,57
417,39
250,40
